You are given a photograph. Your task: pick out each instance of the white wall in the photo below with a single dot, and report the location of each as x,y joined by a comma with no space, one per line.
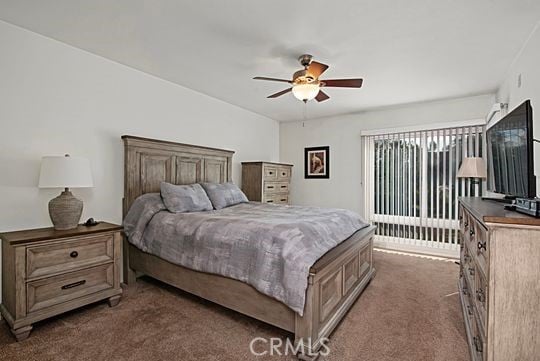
56,99
527,63
342,134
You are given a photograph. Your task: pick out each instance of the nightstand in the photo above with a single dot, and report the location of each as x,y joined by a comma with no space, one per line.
47,272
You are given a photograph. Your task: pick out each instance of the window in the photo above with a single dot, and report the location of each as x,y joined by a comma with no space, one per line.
412,188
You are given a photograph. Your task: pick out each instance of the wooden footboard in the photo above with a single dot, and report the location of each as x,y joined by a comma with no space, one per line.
335,282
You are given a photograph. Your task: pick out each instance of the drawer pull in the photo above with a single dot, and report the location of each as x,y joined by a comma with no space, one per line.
481,245
270,187
471,232
477,344
74,284
74,254
471,271
283,200
466,224
469,310
270,201
480,296
270,173
283,174
466,258
283,186
465,291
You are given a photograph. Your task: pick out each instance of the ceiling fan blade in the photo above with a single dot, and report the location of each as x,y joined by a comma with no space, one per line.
315,69
322,96
279,93
272,79
343,83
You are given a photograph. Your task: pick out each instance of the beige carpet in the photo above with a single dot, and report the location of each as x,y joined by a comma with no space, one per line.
410,311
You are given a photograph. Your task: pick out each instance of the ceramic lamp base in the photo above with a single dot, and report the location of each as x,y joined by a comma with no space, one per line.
65,211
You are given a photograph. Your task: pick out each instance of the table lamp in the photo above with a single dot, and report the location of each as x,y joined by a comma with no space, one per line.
65,172
472,167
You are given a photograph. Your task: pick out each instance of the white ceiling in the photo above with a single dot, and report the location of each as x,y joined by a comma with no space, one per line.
406,51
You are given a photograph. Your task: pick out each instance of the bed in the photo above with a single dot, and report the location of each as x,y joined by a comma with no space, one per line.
333,283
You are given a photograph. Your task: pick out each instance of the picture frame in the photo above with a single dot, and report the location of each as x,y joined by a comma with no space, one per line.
317,162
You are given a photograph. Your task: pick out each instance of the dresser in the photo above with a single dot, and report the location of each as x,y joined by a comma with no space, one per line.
499,281
47,272
266,182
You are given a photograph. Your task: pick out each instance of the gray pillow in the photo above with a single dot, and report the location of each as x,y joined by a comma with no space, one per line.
224,194
185,198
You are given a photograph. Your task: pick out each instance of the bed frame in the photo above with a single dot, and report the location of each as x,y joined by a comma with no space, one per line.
335,280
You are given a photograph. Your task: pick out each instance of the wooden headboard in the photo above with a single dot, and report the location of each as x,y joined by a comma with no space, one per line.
148,162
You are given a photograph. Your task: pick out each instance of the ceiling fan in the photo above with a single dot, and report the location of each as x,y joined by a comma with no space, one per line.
306,84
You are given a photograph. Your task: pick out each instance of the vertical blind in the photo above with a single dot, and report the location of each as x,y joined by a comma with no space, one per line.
411,186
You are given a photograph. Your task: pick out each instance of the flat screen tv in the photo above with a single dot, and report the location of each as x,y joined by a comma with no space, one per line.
510,154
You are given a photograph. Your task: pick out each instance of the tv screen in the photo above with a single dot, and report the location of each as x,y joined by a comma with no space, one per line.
510,154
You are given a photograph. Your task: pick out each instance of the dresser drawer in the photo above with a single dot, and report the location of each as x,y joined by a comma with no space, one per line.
276,198
468,307
284,173
68,255
465,288
54,290
469,272
465,256
480,298
464,225
276,187
480,243
270,172
478,342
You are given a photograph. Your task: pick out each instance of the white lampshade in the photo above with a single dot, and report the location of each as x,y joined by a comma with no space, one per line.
472,167
65,172
305,91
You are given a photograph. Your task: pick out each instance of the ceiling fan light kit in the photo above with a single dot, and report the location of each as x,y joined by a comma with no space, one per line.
306,84
305,91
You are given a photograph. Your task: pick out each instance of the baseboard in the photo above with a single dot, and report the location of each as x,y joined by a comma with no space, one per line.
419,250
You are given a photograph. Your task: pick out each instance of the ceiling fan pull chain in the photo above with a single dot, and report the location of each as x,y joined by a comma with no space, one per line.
304,115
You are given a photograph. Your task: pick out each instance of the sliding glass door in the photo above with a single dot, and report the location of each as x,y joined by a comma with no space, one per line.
412,188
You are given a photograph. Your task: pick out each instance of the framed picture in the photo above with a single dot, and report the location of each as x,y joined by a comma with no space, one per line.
317,162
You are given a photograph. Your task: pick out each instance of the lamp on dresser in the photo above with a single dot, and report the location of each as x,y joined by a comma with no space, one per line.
65,172
473,168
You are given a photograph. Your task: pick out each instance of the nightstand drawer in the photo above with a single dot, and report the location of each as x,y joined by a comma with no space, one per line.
58,289
68,256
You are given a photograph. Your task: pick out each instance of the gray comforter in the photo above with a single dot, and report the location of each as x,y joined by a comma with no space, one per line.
270,247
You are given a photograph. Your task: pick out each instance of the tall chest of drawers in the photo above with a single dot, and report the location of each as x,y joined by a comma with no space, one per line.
47,272
499,281
266,182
